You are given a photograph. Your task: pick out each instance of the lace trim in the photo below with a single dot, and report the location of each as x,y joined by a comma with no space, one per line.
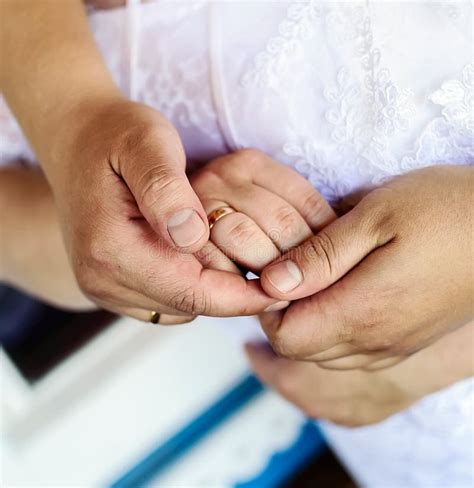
364,116
447,139
295,28
457,99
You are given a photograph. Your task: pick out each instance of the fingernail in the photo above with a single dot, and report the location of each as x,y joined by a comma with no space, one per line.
284,276
186,227
277,306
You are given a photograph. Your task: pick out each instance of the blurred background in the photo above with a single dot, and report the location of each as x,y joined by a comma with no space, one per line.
92,399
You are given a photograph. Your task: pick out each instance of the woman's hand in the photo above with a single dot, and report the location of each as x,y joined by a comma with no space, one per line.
356,398
274,207
385,280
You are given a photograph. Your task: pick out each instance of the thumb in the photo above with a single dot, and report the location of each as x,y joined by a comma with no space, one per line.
156,176
326,257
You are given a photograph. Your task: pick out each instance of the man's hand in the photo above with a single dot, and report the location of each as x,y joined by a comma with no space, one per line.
385,280
116,169
131,220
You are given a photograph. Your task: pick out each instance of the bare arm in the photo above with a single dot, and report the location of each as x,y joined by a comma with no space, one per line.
50,67
32,252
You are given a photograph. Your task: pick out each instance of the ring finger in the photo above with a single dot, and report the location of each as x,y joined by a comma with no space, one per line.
241,239
278,219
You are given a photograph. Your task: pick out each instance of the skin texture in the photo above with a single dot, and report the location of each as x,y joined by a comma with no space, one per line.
385,280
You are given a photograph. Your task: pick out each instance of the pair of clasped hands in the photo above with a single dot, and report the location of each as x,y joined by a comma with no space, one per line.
358,292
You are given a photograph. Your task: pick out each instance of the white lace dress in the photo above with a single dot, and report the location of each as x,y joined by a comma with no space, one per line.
348,93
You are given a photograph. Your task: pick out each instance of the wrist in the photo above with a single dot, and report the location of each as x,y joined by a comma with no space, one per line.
75,123
102,129
51,65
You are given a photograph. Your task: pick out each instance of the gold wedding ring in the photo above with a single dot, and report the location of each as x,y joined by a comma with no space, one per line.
218,214
154,317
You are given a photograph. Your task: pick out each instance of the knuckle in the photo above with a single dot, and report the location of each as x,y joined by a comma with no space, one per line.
206,183
321,249
236,167
156,183
223,169
245,161
379,215
313,206
190,301
289,223
243,232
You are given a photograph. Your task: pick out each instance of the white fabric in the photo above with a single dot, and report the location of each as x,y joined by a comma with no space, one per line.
347,93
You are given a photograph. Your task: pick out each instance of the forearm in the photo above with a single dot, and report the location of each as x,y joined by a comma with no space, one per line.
26,208
50,66
32,253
